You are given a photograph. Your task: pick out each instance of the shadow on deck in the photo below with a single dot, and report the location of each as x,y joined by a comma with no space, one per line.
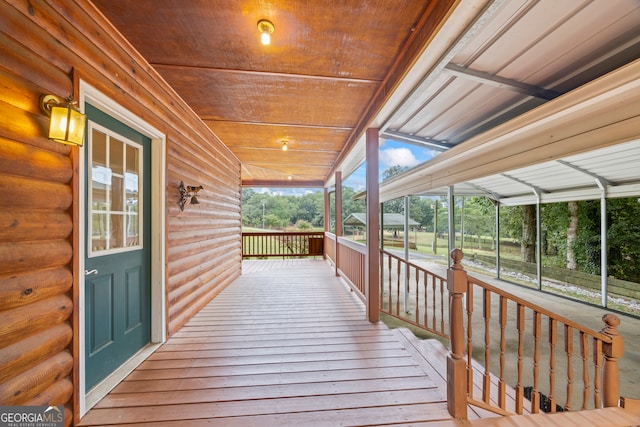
286,344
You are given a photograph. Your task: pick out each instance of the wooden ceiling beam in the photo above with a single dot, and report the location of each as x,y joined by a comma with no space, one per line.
209,119
311,183
160,67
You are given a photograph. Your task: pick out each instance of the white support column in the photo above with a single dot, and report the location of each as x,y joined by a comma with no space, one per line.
538,240
497,237
452,223
372,259
604,273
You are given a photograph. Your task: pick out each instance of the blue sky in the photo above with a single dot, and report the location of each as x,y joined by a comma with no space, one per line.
392,153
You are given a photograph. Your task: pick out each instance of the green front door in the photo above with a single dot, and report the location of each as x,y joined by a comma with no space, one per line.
118,251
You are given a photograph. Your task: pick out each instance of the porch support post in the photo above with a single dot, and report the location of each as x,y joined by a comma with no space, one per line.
327,220
612,352
338,179
372,259
406,253
456,363
497,239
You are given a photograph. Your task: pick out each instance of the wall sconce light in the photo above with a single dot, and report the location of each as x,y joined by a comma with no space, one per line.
284,145
266,28
67,123
188,192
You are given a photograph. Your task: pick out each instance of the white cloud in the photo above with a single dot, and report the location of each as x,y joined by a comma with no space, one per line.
397,157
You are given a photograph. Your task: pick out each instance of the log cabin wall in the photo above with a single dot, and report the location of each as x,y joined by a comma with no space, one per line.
43,45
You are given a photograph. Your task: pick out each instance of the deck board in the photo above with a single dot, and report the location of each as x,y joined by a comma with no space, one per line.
286,344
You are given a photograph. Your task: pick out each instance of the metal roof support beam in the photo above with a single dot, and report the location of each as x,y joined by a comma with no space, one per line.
599,180
372,258
416,140
487,13
501,82
603,241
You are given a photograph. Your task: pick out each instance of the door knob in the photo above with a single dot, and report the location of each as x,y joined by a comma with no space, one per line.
90,272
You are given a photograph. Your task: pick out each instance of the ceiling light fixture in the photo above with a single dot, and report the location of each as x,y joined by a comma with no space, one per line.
266,28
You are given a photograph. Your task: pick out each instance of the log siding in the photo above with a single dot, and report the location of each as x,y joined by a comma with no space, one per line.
45,47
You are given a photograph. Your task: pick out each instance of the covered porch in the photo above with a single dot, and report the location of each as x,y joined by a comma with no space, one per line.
288,344
497,85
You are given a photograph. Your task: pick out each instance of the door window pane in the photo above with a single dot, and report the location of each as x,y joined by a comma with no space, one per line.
115,192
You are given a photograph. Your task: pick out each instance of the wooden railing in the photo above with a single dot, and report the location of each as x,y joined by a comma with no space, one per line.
351,264
413,294
535,335
282,244
330,246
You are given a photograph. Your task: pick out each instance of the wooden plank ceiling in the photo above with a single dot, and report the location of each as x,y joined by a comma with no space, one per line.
327,70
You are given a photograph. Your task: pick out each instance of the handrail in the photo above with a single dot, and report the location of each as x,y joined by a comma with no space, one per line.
282,244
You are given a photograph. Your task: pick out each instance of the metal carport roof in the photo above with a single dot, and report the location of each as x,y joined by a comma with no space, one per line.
523,97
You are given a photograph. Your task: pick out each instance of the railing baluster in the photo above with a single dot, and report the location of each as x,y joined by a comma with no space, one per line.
381,281
502,385
390,269
553,338
469,307
418,294
568,349
398,276
486,314
433,284
519,387
597,360
425,298
535,395
442,306
584,353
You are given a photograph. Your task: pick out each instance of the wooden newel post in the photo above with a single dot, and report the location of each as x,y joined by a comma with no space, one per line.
456,364
612,352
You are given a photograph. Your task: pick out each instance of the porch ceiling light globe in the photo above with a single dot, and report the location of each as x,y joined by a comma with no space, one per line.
266,28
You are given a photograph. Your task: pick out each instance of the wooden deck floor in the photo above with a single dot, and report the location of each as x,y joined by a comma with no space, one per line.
286,344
